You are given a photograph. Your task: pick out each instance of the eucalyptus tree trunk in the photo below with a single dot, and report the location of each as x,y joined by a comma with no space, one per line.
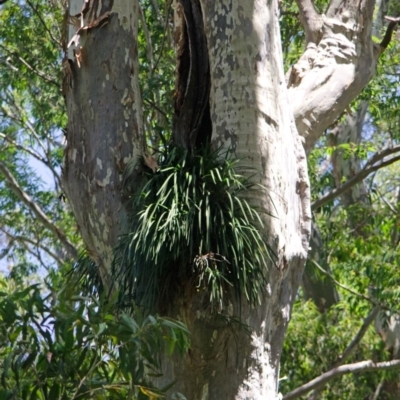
250,115
104,120
230,81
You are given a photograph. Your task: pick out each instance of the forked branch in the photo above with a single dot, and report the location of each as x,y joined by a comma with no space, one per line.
310,19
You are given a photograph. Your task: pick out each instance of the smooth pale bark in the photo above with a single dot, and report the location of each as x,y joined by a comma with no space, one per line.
339,60
363,366
318,289
251,116
104,123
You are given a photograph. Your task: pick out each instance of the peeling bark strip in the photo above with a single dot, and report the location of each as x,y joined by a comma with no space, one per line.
192,125
104,123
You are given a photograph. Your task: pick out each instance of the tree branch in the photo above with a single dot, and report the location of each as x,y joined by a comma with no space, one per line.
36,243
15,113
362,296
322,380
391,208
32,69
368,169
38,14
21,147
352,345
168,7
358,337
149,45
378,390
22,122
310,20
389,31
37,211
34,253
32,153
380,155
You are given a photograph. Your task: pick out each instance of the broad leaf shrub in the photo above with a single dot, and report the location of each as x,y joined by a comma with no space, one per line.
58,347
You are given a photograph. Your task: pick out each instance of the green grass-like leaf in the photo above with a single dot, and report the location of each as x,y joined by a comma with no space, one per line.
190,221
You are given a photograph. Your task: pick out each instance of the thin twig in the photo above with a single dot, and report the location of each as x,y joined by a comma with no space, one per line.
21,147
44,24
378,390
23,61
391,208
149,47
362,296
23,123
37,211
33,253
152,104
33,243
35,155
163,39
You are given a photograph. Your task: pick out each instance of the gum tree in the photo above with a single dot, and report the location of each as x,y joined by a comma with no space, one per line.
231,91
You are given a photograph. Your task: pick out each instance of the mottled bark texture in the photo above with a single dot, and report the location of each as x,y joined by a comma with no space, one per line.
104,120
229,53
251,116
339,60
